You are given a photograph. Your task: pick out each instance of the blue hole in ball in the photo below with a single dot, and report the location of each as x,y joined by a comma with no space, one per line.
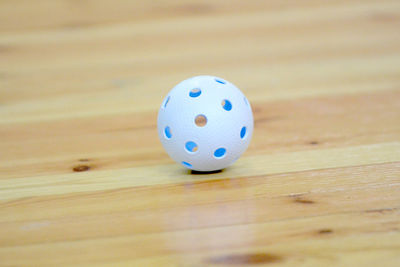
227,105
166,101
243,132
186,164
220,152
167,132
191,146
220,81
195,92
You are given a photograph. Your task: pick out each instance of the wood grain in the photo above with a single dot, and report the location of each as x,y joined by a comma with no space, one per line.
84,180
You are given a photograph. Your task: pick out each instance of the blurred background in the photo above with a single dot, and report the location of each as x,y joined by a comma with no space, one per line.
110,63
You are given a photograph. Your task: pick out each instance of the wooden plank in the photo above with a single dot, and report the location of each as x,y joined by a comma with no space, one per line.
166,174
57,78
200,204
335,239
26,16
56,147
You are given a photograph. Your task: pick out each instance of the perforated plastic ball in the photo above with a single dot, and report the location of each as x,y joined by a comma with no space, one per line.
205,123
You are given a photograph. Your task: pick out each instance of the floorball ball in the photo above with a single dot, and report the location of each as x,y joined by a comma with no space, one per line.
205,123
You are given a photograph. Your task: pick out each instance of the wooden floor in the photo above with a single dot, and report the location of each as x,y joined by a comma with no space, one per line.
84,180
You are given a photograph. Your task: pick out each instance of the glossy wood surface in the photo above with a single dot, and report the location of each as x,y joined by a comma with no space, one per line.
84,180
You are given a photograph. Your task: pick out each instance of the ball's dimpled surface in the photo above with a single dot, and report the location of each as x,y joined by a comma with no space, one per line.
205,123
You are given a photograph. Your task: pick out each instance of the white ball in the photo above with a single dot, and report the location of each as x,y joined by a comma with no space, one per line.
205,123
